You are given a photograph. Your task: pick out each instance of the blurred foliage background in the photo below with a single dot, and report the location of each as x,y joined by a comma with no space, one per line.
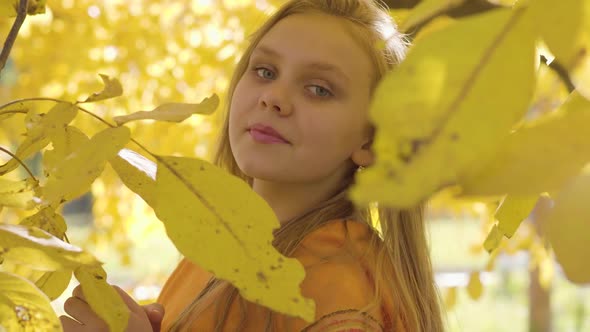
184,50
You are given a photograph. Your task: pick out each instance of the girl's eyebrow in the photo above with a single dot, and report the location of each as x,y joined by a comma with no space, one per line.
321,66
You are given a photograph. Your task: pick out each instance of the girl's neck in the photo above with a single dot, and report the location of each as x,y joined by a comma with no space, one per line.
289,200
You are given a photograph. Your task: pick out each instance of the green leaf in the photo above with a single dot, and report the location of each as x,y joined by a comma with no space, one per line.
39,129
138,173
426,10
539,156
33,247
112,89
566,226
74,175
436,115
104,300
228,232
565,27
23,307
172,112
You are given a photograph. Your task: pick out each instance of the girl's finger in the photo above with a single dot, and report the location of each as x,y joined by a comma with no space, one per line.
82,312
70,325
77,292
131,304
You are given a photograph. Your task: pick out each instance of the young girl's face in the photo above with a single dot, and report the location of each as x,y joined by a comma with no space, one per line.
309,80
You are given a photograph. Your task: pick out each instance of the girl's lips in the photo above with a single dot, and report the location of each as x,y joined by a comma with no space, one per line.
266,138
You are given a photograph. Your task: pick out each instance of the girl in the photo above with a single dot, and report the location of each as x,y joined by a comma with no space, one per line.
297,131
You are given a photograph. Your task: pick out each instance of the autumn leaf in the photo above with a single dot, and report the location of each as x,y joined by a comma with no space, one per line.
64,143
426,10
54,283
566,226
475,287
540,156
33,247
451,298
436,117
206,220
75,174
17,193
493,239
112,89
512,211
570,43
23,307
172,112
138,173
48,220
39,132
9,7
12,108
104,300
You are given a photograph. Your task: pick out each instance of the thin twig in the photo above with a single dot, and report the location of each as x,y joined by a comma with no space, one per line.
21,14
561,71
83,110
20,162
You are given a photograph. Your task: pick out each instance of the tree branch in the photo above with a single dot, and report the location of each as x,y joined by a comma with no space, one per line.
561,71
21,14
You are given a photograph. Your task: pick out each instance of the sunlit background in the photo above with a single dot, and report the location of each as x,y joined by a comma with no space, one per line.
183,51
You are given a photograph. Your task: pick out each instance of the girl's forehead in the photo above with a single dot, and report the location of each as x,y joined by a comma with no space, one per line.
318,39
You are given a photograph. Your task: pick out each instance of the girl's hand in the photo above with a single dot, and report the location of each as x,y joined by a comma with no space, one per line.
141,318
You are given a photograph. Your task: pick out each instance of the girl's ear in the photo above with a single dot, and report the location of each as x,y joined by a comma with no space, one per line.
363,157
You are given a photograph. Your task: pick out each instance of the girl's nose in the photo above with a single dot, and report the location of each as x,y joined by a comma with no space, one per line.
276,99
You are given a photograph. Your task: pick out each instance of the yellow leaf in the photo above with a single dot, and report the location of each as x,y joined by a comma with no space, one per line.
104,300
493,239
33,247
54,283
436,115
512,211
39,131
137,173
425,10
23,307
12,108
17,193
64,143
451,298
10,7
567,228
570,43
474,287
172,112
112,89
74,175
537,157
47,220
219,222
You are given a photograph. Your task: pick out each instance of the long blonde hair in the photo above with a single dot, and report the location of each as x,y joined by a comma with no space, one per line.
403,271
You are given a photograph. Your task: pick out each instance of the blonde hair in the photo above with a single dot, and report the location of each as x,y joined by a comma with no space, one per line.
403,272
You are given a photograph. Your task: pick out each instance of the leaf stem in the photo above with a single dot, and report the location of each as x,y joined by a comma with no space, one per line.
20,162
81,109
21,14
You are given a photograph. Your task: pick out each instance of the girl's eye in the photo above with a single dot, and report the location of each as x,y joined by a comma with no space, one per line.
265,73
320,91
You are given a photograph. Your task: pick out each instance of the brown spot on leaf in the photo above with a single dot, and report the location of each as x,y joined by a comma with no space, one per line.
261,276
